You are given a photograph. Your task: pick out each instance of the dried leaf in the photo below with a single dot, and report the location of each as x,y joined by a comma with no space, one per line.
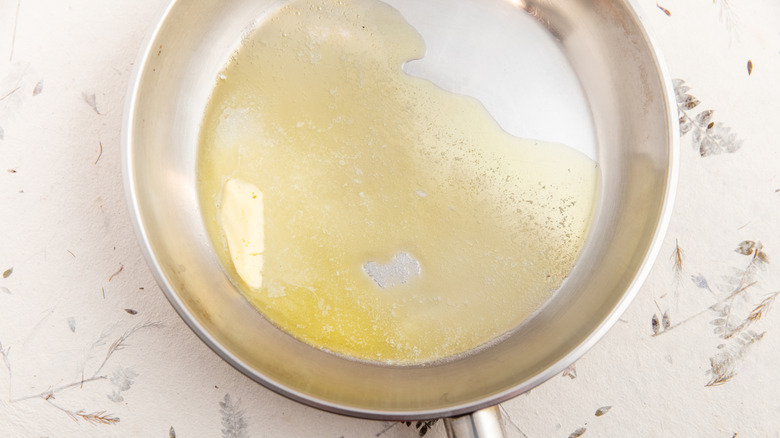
718,131
757,336
685,125
7,273
38,88
171,433
698,136
602,410
690,102
578,433
665,321
116,396
704,118
131,311
708,147
123,378
701,282
656,324
750,67
746,247
91,100
681,90
733,147
120,342
72,324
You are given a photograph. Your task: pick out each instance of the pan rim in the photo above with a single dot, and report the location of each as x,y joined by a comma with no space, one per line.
662,223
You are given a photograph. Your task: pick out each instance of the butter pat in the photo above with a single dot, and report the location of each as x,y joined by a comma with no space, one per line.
241,217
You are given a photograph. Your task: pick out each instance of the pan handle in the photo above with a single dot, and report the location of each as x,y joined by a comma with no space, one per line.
484,423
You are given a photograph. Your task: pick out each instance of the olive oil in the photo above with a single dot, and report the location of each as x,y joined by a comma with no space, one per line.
359,164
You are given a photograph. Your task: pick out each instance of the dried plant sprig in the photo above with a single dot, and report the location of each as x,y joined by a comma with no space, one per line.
99,417
713,307
13,34
10,93
722,370
756,314
120,342
233,421
387,428
709,137
422,426
51,391
725,326
756,249
727,16
677,260
762,307
723,366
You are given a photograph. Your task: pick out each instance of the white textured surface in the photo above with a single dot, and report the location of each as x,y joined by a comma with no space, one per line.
65,231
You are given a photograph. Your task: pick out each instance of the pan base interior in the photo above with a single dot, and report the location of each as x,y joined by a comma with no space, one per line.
358,162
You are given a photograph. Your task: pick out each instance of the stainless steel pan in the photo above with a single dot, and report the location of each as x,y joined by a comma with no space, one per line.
629,120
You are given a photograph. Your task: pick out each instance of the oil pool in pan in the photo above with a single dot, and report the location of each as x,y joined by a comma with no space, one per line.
368,212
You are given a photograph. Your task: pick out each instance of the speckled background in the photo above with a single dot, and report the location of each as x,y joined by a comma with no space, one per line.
91,348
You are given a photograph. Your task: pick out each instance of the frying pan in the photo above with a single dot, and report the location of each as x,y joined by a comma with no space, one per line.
619,109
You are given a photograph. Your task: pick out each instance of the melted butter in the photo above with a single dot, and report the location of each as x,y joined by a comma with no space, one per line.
358,163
